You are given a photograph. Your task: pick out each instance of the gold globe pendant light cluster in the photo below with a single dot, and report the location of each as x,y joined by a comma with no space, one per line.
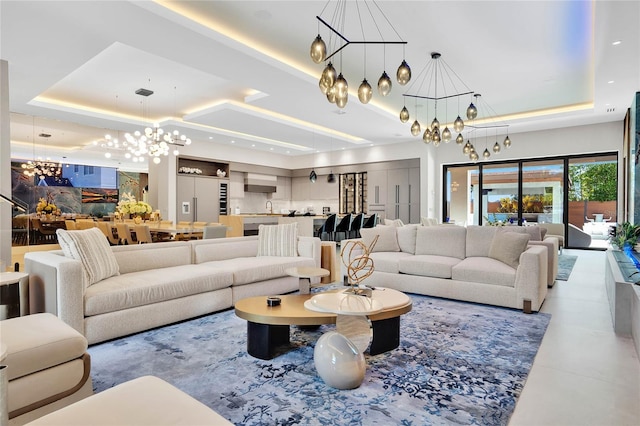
332,83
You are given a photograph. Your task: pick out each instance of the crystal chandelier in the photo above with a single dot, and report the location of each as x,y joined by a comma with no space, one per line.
42,169
332,83
155,143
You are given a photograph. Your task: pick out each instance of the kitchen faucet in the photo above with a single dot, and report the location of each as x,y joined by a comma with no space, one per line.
269,205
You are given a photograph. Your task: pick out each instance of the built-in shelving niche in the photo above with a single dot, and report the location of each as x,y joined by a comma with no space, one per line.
187,166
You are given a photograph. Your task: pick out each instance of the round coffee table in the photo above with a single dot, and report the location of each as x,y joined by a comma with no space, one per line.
268,326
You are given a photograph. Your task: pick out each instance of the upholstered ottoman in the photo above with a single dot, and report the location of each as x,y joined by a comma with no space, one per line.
146,400
48,366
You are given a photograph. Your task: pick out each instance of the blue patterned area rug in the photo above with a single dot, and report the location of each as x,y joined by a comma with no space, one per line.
565,266
459,363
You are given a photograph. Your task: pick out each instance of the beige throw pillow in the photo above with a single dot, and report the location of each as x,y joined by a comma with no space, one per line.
387,240
278,240
508,246
90,247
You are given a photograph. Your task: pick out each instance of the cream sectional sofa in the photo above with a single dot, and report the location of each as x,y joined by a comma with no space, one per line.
160,283
460,263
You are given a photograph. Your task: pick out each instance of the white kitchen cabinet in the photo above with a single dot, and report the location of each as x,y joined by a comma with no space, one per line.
300,188
283,189
237,185
377,192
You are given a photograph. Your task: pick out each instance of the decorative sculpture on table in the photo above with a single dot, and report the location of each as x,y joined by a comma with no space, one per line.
355,257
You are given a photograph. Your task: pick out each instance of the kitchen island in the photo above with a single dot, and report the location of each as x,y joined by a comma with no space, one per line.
247,224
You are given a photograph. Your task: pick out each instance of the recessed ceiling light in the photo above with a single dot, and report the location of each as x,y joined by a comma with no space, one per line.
288,152
210,137
343,148
271,149
233,141
617,42
610,81
253,145
371,145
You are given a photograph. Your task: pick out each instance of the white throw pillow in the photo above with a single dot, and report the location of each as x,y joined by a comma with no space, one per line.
407,238
508,246
393,222
278,240
387,240
90,247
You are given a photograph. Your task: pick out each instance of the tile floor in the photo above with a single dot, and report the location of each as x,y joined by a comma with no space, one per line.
583,374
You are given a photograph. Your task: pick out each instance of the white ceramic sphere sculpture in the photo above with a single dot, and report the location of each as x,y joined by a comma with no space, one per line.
338,361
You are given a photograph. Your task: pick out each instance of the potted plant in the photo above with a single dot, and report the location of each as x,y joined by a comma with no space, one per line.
626,234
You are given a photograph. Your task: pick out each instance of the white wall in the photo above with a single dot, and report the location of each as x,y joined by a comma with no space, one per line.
5,167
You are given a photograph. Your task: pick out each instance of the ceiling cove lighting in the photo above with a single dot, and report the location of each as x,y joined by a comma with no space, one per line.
332,82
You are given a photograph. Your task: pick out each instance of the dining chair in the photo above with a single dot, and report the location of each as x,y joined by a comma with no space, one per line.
107,230
70,225
43,233
216,231
143,234
183,224
200,224
124,233
85,223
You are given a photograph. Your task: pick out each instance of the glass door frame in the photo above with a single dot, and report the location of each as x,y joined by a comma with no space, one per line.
519,164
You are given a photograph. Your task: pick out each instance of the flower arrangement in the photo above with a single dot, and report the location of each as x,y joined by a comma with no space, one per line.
45,207
129,205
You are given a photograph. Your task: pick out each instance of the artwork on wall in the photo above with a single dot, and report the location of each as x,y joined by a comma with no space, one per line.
99,195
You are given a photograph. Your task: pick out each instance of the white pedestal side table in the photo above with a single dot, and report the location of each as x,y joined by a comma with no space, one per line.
305,274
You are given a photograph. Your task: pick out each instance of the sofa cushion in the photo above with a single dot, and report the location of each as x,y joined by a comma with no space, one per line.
388,261
508,246
484,270
393,222
142,257
479,240
441,240
90,247
387,241
224,248
278,240
153,286
427,265
407,238
37,342
248,270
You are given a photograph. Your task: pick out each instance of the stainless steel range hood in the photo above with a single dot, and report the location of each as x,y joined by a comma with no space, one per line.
259,183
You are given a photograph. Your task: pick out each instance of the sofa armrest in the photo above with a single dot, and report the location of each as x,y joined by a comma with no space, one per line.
531,277
310,247
56,285
552,256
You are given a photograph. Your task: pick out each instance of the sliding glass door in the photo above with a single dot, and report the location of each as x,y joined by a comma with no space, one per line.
577,191
593,186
